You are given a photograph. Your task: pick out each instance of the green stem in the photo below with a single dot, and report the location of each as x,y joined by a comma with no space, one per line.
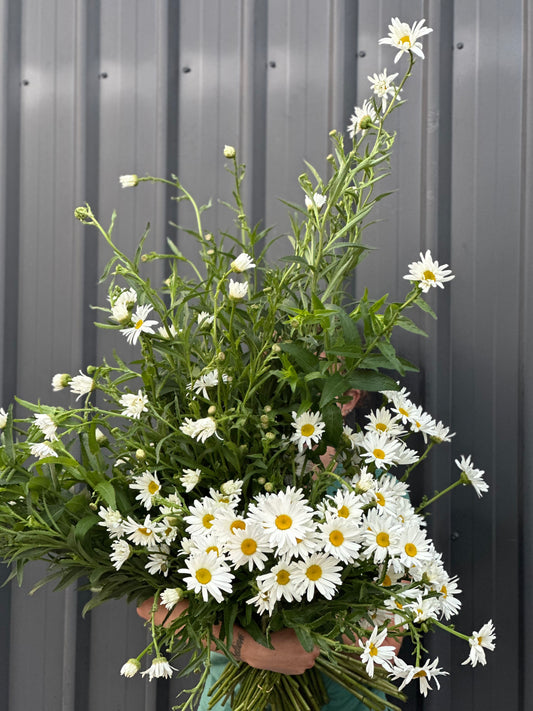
437,496
421,459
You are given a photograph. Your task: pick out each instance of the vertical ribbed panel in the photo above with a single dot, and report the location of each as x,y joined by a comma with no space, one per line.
92,89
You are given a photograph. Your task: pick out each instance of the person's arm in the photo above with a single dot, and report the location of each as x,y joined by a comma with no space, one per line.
287,656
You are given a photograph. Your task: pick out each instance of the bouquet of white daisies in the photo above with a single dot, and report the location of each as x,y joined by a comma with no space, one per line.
216,467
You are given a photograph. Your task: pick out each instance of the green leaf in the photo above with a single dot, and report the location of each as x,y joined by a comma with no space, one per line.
306,360
369,380
107,492
419,301
305,639
85,524
408,325
332,417
334,386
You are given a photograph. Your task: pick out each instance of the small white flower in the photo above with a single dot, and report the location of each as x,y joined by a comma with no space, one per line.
120,552
280,583
159,669
147,484
47,426
242,262
158,563
384,422
120,308
201,517
229,151
60,381
112,520
167,331
375,652
249,546
231,487
81,385
42,450
207,574
205,319
473,476
319,572
140,324
134,405
380,536
207,380
424,674
190,478
441,433
309,429
129,181
405,38
340,538
479,641
382,86
428,272
318,200
130,668
362,119
380,449
141,534
3,418
201,429
237,290
170,597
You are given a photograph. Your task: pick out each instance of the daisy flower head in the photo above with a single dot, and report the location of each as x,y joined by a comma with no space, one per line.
309,429
428,273
47,426
170,597
140,324
472,476
340,538
280,583
158,563
375,652
424,674
141,534
207,380
112,521
128,181
169,331
406,38
120,552
60,381
130,668
441,433
384,421
449,602
201,429
242,263
190,478
147,484
121,306
362,119
41,450
134,405
249,547
204,319
318,200
237,290
81,385
208,575
414,546
201,517
382,86
345,504
479,641
388,493
320,573
380,449
380,536
159,669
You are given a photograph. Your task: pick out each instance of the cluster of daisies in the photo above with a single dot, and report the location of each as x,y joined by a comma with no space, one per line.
284,550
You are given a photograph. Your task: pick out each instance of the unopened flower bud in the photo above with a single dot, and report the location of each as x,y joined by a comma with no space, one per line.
210,252
264,420
83,214
267,408
130,668
140,455
60,381
261,480
229,152
333,132
129,181
208,237
221,356
276,348
270,436
212,410
269,486
93,506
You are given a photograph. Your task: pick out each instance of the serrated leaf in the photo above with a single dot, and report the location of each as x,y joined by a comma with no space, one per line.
107,492
306,360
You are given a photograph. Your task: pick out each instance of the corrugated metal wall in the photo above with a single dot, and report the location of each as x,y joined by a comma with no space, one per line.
91,89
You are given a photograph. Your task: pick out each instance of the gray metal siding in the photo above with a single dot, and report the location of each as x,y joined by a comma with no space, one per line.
92,89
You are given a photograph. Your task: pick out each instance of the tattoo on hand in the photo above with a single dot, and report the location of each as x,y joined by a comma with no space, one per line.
237,646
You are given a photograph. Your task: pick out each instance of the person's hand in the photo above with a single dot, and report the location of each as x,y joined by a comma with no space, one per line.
287,656
145,611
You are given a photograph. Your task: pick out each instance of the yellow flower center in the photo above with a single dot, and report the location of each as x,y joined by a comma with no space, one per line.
248,546
380,498
444,591
283,577
212,548
379,453
373,651
237,525
403,411
314,572
139,323
410,549
145,531
153,488
419,674
381,427
405,40
203,576
343,512
387,582
382,539
207,520
429,275
336,538
307,430
283,522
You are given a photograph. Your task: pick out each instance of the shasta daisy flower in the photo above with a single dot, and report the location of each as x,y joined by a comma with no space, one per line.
242,263
379,449
120,552
249,547
159,669
309,429
479,641
424,674
428,273
140,324
382,86
158,563
130,668
128,181
405,38
201,429
207,380
47,426
280,582
141,534
413,545
60,381
375,652
285,518
362,119
449,602
147,484
317,201
134,405
3,418
385,422
42,450
207,574
190,478
120,307
170,597
380,534
319,572
472,476
112,521
201,517
340,538
205,319
237,290
81,385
